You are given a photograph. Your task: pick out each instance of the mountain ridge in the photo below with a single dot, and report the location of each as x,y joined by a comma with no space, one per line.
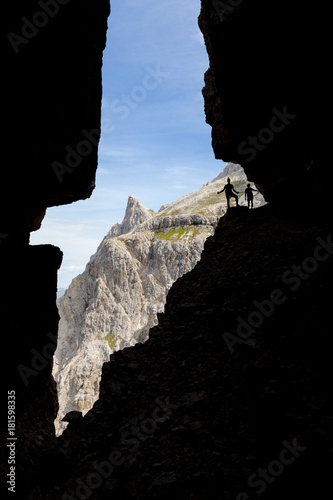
116,300
192,419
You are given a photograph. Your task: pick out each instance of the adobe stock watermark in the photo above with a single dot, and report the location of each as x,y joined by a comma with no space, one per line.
130,438
122,107
31,27
263,477
224,9
293,278
75,155
39,360
254,144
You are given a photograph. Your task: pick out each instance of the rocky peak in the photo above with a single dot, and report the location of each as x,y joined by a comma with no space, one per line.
117,299
135,214
214,394
231,169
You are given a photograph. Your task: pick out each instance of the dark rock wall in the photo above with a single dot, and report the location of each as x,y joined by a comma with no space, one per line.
268,59
229,383
183,415
51,128
29,325
53,95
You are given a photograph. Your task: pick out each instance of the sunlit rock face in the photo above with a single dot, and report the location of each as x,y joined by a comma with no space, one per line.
268,92
116,300
268,99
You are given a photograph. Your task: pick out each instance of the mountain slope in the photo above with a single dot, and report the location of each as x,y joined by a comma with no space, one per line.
115,302
184,416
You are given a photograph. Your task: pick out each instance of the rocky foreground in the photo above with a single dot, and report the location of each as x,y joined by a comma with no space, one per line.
116,300
231,395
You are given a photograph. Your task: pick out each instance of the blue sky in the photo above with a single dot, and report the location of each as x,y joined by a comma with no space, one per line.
155,144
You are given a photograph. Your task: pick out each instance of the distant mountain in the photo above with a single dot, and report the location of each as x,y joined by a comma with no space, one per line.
115,301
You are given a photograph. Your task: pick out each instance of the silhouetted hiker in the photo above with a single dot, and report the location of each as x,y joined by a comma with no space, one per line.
229,192
249,195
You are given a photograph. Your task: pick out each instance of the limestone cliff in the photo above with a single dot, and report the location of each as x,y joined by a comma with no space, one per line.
135,214
237,371
225,417
115,301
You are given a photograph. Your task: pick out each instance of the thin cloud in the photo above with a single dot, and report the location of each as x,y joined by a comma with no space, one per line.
162,150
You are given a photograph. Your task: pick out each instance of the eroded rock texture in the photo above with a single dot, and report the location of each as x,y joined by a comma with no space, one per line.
181,415
114,303
226,382
267,91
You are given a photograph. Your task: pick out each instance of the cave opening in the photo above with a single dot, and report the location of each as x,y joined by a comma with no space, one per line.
230,412
155,147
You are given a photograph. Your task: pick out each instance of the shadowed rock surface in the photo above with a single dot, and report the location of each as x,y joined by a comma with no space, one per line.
269,59
115,301
228,414
182,414
51,113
